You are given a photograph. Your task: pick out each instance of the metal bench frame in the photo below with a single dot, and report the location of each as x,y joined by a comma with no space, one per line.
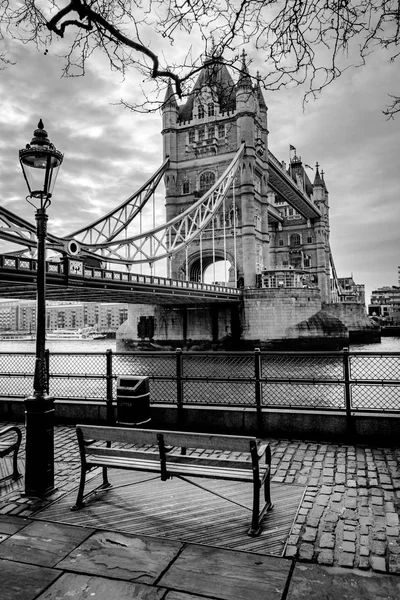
159,457
7,447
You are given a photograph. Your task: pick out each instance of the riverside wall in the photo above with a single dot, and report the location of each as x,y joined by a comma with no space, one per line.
285,318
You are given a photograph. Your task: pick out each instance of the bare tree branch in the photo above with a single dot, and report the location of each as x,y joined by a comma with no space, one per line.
300,41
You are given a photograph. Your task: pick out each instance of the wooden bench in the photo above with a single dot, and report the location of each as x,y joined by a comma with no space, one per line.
10,445
166,454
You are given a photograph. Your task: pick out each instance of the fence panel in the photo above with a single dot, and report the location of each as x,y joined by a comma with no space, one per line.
289,380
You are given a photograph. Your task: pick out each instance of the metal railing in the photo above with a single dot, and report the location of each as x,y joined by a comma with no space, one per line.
326,381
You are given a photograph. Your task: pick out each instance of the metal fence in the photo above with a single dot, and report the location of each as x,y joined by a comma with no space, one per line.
340,381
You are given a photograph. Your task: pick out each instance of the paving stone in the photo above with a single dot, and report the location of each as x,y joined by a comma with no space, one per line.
363,562
310,534
378,563
306,552
394,563
346,559
392,519
290,551
349,536
348,546
378,547
327,540
325,557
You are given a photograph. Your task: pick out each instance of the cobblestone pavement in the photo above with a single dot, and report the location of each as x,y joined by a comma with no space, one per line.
349,516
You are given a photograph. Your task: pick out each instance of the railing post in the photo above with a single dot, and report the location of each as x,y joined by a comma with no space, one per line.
109,388
347,391
258,389
47,361
179,385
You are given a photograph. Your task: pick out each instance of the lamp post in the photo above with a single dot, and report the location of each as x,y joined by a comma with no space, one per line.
40,162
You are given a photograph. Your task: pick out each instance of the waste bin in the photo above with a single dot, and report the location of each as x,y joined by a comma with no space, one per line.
133,400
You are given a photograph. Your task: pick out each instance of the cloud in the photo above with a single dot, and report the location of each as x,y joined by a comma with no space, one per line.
109,152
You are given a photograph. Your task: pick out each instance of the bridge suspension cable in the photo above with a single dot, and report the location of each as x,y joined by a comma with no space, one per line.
165,240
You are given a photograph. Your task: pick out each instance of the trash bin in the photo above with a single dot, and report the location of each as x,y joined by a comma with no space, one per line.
133,400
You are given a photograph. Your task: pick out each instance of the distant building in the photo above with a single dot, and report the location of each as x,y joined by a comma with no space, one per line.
385,304
20,315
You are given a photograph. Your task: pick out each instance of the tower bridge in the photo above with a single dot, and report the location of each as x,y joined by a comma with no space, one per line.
228,200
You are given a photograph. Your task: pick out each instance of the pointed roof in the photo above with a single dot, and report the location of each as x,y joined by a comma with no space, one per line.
323,181
216,76
244,77
260,95
169,98
318,181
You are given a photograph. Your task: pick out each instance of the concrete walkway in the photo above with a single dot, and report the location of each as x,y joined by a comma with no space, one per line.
345,541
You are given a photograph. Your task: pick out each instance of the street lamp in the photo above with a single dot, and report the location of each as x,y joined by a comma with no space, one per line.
40,162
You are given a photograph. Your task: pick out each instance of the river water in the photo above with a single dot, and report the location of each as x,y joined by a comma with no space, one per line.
388,344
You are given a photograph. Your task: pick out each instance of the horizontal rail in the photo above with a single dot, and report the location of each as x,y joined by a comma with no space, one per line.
350,382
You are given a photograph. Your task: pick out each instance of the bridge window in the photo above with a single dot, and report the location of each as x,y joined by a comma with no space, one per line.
186,187
202,134
307,261
280,242
295,239
207,180
309,240
200,111
210,131
210,109
221,131
191,136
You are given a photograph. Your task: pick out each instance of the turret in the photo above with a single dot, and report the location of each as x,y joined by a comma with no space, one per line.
170,111
245,106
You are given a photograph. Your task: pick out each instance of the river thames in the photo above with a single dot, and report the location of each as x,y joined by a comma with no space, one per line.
388,344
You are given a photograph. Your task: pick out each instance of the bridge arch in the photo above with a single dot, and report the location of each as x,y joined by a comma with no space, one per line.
198,264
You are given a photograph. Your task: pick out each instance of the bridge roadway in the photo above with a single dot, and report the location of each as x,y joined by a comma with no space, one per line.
71,280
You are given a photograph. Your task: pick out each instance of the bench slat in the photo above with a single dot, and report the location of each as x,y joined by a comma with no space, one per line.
171,438
189,470
132,454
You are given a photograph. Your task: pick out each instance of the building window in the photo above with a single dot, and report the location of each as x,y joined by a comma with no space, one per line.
295,239
210,132
307,261
210,109
207,180
200,111
202,134
186,187
191,137
221,131
309,240
280,242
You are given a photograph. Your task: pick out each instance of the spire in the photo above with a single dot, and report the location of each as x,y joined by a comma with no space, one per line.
260,95
244,77
169,98
318,181
323,181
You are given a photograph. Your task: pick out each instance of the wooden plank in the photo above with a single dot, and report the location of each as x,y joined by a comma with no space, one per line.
177,510
171,438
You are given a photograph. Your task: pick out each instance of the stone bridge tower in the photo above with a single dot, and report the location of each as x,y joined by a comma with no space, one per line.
201,137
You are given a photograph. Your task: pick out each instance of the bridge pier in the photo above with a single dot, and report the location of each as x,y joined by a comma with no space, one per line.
192,327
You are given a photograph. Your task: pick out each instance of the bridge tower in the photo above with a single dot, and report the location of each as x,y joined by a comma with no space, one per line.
201,137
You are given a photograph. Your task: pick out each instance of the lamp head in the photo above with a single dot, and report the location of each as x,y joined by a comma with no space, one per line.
40,162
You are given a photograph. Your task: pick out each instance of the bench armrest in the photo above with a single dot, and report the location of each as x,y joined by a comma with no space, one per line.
16,430
262,448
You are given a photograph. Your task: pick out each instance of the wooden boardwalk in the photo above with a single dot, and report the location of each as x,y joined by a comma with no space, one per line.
217,514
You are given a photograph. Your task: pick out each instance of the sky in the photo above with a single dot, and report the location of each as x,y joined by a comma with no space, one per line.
110,151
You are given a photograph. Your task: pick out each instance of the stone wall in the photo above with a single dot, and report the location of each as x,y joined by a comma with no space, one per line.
353,315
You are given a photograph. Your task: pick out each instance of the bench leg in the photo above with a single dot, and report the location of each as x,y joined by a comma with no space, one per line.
79,499
255,528
16,474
